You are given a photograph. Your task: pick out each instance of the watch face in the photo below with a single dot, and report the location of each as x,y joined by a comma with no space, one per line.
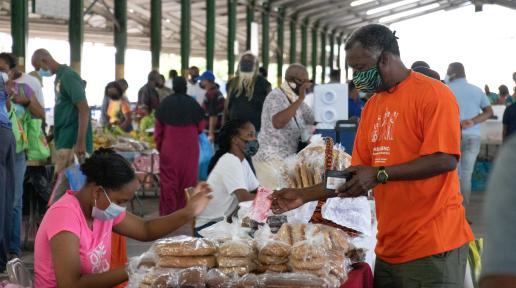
382,177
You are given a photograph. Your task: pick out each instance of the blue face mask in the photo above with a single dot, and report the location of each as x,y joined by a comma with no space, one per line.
44,72
111,212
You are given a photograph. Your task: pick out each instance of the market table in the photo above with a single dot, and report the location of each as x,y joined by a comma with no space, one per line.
360,277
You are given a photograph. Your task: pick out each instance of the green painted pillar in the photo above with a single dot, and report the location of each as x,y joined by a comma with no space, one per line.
293,34
120,37
304,42
249,21
265,34
339,44
76,33
324,35
155,30
19,16
231,37
185,36
281,38
314,51
331,59
210,34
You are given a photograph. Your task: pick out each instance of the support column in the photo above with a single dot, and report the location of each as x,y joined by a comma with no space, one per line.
155,28
19,16
265,34
120,37
185,37
76,33
231,37
293,34
304,42
210,34
314,51
332,50
339,44
324,35
249,21
281,37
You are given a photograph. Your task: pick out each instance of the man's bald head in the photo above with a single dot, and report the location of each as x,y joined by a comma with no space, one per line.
296,71
41,59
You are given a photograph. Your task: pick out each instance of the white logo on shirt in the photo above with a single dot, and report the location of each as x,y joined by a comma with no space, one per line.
97,259
383,129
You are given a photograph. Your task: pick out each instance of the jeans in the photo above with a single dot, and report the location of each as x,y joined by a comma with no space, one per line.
7,155
20,167
469,148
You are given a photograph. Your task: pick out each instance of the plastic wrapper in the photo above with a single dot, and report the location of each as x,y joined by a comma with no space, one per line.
271,251
185,246
261,205
187,261
310,256
138,268
248,281
223,231
216,279
194,277
238,271
294,233
291,280
224,261
19,276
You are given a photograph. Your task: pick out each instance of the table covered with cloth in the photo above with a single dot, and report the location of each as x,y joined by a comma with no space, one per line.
360,277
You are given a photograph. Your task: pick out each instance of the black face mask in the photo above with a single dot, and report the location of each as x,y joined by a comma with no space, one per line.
251,147
246,66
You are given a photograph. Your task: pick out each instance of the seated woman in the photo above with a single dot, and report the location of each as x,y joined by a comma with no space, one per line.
230,175
73,243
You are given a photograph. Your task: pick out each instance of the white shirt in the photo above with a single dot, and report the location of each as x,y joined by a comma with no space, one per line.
169,84
34,84
196,92
230,174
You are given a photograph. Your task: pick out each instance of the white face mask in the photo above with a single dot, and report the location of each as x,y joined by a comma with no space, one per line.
111,212
4,76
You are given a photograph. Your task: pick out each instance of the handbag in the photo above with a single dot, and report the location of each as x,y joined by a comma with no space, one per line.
18,128
37,142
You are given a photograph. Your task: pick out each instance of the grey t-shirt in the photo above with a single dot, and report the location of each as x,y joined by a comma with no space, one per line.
500,215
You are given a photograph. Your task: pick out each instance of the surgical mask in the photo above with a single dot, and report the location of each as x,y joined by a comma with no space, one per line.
4,76
111,212
362,95
251,147
368,81
44,72
447,79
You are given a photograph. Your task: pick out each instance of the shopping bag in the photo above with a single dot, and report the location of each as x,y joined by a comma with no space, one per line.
205,154
37,142
76,179
474,265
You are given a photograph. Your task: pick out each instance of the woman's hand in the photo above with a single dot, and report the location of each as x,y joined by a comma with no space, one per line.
302,91
199,199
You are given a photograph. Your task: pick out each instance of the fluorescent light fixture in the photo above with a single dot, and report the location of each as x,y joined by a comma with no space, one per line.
408,13
390,6
360,2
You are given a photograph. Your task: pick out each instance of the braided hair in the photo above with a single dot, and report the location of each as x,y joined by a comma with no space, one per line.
107,169
227,132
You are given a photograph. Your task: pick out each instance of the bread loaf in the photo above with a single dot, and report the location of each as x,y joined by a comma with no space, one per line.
240,271
187,262
312,264
280,268
276,248
185,246
192,278
306,252
233,261
272,260
237,248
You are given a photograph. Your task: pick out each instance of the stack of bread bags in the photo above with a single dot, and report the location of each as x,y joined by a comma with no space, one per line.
237,257
273,255
185,252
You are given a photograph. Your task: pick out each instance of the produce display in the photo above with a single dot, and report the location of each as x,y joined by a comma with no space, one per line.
116,138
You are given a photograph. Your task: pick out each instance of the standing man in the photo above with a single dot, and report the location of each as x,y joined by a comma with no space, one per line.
406,150
213,104
474,109
72,120
148,95
7,178
194,88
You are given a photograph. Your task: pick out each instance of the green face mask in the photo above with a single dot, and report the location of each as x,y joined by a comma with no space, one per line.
368,81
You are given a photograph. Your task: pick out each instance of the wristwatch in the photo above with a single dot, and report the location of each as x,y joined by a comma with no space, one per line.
382,175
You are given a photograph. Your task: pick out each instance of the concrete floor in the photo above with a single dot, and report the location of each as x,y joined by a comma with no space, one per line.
150,209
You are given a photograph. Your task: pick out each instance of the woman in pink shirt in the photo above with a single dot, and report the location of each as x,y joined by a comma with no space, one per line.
73,244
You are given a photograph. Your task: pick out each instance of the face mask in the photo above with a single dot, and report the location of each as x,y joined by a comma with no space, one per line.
111,212
447,79
246,66
251,147
4,76
44,72
368,81
361,94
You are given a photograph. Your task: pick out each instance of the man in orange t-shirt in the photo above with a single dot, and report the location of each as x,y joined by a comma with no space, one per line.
407,148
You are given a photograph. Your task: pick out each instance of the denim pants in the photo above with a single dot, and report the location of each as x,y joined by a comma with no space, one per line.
20,167
469,148
7,155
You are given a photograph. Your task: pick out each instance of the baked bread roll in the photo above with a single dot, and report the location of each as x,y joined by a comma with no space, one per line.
311,264
187,262
294,233
185,246
280,268
306,252
240,271
233,261
237,248
216,279
247,281
272,260
291,280
194,277
276,248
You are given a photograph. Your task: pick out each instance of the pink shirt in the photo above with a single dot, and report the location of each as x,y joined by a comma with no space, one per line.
95,246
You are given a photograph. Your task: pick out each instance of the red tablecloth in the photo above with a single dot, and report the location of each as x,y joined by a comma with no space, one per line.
360,277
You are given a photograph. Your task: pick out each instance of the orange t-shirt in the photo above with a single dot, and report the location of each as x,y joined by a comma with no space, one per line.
416,218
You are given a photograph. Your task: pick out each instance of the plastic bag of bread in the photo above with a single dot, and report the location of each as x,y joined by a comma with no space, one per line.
273,254
334,238
216,279
292,280
194,277
294,233
137,272
248,281
185,246
187,261
310,256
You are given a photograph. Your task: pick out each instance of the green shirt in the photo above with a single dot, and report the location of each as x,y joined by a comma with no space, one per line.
69,90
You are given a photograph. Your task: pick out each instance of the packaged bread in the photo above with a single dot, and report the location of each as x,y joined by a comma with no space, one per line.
194,277
291,280
334,238
187,261
240,271
248,281
156,276
310,256
216,279
279,268
271,251
185,246
225,261
237,248
294,233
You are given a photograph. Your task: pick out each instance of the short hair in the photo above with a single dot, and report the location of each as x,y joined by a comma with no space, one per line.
503,90
375,38
419,64
122,82
153,76
427,72
194,68
458,69
294,70
9,59
172,73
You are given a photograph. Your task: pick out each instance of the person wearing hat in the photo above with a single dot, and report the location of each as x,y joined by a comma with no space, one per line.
213,104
